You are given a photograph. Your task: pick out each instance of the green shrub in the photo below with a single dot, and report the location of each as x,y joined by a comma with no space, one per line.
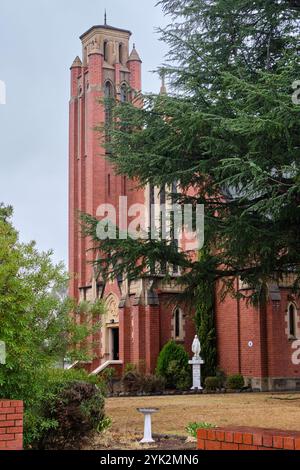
104,424
43,420
152,384
173,366
192,428
221,376
130,367
212,383
135,382
108,376
76,410
235,382
179,377
132,381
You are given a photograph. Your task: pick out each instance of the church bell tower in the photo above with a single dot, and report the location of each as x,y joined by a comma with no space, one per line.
108,68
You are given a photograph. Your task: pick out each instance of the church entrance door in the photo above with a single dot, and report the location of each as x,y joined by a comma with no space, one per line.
115,344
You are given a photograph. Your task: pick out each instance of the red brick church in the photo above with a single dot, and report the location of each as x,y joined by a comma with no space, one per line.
139,320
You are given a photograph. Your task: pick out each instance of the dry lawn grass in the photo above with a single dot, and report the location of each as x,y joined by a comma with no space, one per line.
261,410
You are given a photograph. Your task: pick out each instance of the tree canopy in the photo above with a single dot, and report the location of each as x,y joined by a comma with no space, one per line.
35,315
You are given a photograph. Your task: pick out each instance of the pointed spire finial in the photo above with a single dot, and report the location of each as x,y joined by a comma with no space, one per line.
134,55
105,17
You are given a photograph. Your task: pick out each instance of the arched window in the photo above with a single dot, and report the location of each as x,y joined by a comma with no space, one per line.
105,50
173,235
108,92
121,56
124,93
163,222
178,322
151,208
152,219
108,185
292,319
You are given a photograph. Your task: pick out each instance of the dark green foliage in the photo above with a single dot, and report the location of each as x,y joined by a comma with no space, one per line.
36,325
75,408
173,366
153,384
40,421
205,322
235,382
134,381
178,377
108,376
212,383
221,376
207,333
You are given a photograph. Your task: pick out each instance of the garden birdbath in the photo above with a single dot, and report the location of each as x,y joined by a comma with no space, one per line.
147,412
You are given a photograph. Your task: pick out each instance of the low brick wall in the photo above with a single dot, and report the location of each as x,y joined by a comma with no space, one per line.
244,438
11,425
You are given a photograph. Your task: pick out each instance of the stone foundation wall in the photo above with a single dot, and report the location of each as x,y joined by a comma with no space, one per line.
276,384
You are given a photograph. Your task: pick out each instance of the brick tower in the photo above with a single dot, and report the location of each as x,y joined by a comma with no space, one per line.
107,69
139,318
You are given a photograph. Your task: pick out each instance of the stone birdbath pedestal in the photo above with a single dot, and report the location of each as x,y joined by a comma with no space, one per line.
196,363
147,412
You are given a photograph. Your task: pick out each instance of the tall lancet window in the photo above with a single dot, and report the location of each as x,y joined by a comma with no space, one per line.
178,325
108,91
163,222
124,93
162,201
174,236
105,51
292,318
121,56
151,208
152,219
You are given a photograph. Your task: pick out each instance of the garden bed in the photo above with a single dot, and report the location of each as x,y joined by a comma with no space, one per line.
170,393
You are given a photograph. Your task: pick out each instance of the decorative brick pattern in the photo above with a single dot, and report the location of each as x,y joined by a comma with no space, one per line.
244,438
11,425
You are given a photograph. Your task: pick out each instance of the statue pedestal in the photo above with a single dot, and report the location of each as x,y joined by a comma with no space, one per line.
196,362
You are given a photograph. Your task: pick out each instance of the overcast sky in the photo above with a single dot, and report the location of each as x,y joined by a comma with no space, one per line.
39,40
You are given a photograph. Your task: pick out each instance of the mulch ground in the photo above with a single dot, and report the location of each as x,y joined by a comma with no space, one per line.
112,441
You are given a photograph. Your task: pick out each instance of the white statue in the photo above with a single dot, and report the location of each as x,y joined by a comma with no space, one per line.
196,347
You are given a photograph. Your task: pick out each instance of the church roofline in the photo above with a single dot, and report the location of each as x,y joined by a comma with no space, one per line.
101,26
